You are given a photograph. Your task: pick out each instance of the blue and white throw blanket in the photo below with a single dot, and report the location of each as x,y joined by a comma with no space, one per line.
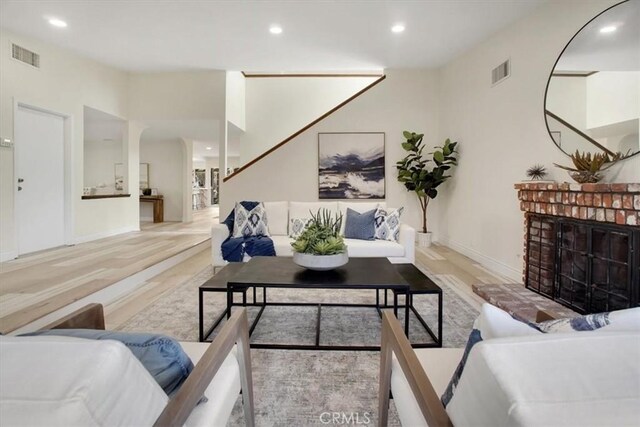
234,249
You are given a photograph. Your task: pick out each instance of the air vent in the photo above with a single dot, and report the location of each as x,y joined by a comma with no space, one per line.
501,72
25,55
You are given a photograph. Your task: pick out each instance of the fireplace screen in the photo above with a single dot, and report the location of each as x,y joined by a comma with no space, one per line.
586,266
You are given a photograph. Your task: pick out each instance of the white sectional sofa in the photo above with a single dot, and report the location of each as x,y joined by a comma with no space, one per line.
278,217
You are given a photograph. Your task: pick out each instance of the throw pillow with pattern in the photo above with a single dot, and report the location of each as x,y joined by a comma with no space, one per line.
387,224
250,223
297,226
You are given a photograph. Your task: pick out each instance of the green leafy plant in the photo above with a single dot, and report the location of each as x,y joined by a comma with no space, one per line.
321,236
587,167
418,175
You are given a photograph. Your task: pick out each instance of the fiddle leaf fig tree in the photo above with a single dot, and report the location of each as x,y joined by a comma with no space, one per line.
423,175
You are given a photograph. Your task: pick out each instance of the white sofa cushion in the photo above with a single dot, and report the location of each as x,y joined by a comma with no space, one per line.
355,248
572,379
222,392
62,381
373,248
277,217
282,245
304,209
494,322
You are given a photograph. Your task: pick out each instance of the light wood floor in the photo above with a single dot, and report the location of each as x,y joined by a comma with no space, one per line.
38,284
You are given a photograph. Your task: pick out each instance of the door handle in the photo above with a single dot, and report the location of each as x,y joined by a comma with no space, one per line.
19,188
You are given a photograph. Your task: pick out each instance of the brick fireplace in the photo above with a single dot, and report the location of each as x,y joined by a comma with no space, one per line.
582,243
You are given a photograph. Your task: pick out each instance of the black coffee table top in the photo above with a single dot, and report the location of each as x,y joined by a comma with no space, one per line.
282,271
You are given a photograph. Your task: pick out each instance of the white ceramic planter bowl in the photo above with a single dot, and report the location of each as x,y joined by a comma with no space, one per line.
320,262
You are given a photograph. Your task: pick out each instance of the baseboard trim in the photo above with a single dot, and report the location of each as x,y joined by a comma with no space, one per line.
116,291
493,264
102,235
8,256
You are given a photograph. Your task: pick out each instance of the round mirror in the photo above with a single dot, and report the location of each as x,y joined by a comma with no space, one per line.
592,103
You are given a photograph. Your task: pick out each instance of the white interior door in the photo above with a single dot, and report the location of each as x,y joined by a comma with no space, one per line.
39,142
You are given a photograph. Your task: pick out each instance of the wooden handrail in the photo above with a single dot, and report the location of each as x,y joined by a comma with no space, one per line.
250,75
579,132
394,341
322,117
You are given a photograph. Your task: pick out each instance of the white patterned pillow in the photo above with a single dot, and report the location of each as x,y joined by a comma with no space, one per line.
297,226
250,223
388,224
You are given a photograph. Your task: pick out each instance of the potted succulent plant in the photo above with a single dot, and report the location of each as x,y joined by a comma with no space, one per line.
588,168
418,176
320,246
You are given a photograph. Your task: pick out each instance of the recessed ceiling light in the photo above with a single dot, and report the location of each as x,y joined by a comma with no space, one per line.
209,148
398,28
57,22
608,29
275,29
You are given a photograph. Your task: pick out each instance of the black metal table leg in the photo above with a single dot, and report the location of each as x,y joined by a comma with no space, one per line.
318,324
229,300
406,312
395,304
200,316
440,318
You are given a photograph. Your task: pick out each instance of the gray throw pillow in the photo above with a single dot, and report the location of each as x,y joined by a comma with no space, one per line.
360,226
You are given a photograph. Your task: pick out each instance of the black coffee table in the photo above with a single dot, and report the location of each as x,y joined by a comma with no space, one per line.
360,273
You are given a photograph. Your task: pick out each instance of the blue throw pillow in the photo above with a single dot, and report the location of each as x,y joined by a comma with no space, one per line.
474,338
360,226
162,356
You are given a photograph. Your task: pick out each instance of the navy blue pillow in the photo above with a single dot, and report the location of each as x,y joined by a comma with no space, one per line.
361,226
162,356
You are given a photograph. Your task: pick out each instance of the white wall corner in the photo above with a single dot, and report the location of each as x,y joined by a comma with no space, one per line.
492,264
8,255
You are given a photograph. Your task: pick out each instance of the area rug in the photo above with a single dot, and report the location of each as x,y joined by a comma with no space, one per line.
303,387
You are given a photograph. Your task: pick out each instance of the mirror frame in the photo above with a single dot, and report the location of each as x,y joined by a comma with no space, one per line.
546,90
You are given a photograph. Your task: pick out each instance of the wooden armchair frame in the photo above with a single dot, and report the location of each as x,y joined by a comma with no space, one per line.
235,331
394,341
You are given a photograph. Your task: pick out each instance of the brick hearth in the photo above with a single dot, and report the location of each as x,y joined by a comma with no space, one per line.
613,203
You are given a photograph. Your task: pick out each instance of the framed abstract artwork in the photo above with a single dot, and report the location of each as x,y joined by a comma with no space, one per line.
351,165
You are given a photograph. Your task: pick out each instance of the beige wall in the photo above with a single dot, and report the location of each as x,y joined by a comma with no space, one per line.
277,107
63,84
405,100
165,160
502,132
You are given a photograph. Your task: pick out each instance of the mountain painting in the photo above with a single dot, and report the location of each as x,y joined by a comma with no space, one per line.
351,165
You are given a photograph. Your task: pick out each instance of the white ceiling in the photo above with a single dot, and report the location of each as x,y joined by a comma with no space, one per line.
143,35
592,50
